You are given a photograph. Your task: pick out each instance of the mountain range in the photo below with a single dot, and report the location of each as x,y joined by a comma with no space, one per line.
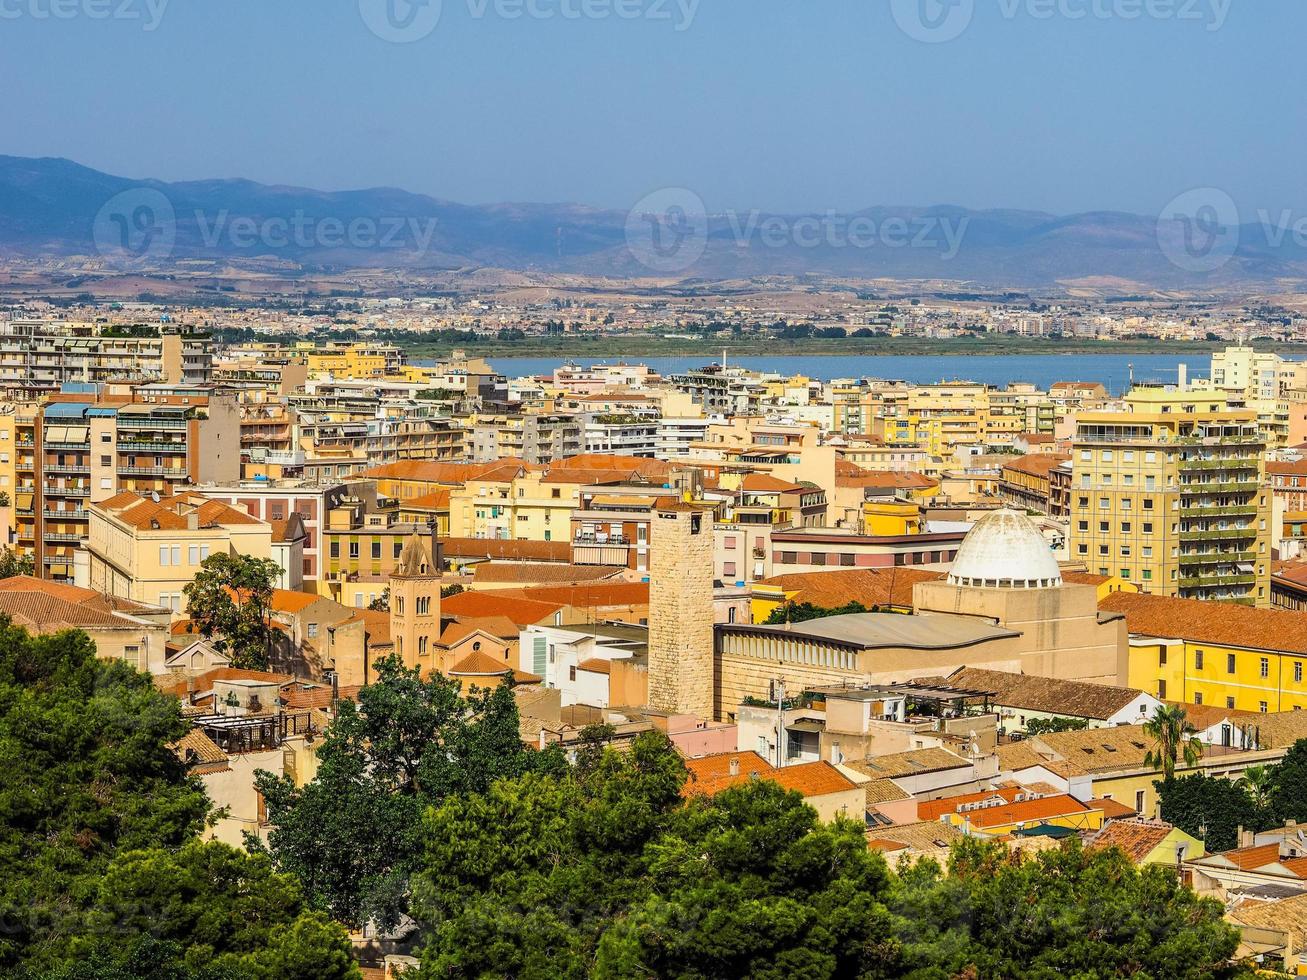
54,208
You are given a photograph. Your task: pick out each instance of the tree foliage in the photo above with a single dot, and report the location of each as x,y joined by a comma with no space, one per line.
1210,808
12,563
351,836
1289,785
1174,737
608,872
101,872
1045,726
229,601
802,612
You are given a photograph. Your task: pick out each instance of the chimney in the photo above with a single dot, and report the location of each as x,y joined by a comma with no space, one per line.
735,765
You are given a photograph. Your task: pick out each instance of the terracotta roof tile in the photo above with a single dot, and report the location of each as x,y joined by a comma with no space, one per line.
542,572
1218,623
869,586
1137,838
523,612
908,763
1046,694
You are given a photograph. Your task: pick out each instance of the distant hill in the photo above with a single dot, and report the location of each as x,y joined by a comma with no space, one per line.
55,208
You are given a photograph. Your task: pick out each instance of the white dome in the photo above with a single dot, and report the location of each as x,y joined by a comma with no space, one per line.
1005,550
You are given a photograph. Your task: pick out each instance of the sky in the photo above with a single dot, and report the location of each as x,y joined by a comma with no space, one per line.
784,105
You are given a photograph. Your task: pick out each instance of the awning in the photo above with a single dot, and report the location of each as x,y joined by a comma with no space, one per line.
56,433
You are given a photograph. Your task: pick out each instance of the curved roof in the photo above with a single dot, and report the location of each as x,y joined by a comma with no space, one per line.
1005,550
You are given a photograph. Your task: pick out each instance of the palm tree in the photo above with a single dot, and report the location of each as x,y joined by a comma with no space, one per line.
1175,736
1257,781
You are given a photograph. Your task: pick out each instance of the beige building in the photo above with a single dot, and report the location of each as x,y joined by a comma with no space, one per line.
1170,495
121,630
1004,605
150,551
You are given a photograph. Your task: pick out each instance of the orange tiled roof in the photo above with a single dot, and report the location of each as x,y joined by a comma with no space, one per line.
429,471
808,779
523,612
542,572
869,586
719,764
1041,809
588,596
766,483
1037,464
557,551
596,665
934,809
1218,623
886,479
1137,838
287,601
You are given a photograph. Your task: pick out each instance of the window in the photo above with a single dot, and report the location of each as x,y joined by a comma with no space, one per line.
1266,667
1148,527
1161,690
193,554
1198,660
376,549
132,655
1141,797
354,549
571,673
164,554
333,549
1148,573
1261,706
1198,697
1229,702
1104,503
1229,663
1297,671
106,460
312,630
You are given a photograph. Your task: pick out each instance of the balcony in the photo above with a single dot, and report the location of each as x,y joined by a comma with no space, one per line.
1220,463
62,537
151,446
1217,581
1219,534
172,472
56,468
54,491
70,446
1242,486
1193,513
1216,557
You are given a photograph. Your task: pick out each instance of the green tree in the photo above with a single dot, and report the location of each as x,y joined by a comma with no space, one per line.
1289,785
229,600
1042,726
1211,809
804,611
1173,736
1258,783
1066,912
217,907
12,563
87,773
351,836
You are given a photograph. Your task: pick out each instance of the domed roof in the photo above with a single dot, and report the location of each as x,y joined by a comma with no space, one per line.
1005,550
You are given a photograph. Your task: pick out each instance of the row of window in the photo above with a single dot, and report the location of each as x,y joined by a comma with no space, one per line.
171,555
1264,665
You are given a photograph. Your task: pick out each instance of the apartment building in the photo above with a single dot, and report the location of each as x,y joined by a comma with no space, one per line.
84,446
149,551
48,353
536,439
1028,482
1170,494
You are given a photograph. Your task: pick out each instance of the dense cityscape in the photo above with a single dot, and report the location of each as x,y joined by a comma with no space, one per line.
640,489
373,600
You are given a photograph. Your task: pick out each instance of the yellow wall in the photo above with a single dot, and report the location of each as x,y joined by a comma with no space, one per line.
1245,689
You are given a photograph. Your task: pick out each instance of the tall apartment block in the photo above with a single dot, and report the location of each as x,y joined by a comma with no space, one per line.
1171,495
79,448
45,354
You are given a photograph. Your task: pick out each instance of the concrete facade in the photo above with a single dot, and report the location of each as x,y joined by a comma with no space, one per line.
681,675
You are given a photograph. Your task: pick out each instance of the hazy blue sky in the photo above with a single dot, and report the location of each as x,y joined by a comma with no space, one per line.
779,104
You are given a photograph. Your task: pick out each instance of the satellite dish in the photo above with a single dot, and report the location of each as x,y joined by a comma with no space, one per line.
154,495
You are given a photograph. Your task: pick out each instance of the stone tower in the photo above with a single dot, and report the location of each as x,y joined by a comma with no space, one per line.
415,604
681,609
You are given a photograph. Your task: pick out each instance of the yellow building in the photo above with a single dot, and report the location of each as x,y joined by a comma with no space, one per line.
890,516
357,361
149,552
1170,494
1223,655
